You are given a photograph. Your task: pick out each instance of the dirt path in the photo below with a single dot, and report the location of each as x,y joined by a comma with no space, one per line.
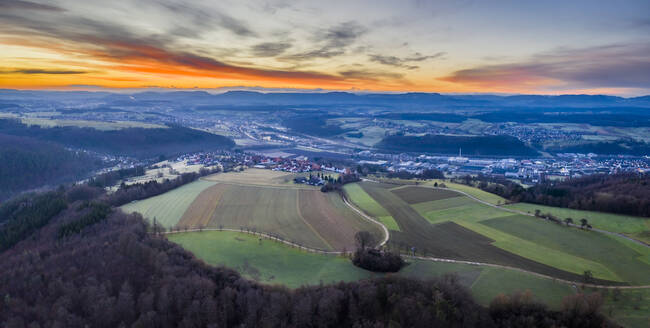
434,259
369,218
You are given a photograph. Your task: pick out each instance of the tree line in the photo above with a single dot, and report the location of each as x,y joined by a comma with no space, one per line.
622,193
137,191
336,184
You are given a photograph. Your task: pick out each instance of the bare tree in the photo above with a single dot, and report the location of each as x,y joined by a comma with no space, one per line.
363,239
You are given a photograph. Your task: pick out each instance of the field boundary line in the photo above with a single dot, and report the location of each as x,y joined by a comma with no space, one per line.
522,212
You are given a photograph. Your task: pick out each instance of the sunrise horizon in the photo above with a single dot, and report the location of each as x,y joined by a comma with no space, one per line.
463,47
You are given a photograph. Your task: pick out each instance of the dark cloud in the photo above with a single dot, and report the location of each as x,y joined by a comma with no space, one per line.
198,20
613,66
20,4
149,53
404,62
270,49
370,75
41,71
332,42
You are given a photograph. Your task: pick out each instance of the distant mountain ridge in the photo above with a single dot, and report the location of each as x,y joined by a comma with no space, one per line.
411,101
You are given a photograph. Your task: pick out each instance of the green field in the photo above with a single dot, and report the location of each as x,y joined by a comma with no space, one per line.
169,207
271,262
629,308
624,262
494,281
636,227
462,228
360,198
267,261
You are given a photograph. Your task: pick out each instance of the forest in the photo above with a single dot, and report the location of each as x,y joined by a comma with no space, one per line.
136,142
620,146
314,125
443,144
27,163
623,193
110,271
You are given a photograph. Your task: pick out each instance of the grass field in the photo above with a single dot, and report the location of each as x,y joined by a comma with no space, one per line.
98,125
495,281
636,227
274,263
629,308
462,228
267,261
620,260
270,262
448,239
360,198
169,207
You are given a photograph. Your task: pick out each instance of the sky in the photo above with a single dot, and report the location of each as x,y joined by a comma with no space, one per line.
532,47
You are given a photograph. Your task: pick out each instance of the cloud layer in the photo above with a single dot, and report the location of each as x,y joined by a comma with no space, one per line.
613,66
373,45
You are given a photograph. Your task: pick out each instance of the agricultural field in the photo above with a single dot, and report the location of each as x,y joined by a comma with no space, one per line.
622,261
472,191
271,262
258,177
414,195
267,261
301,214
632,226
97,125
169,207
438,223
360,198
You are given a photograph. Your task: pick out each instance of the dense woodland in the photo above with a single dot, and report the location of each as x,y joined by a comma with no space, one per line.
108,271
443,144
27,163
137,142
424,175
315,125
624,193
621,146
